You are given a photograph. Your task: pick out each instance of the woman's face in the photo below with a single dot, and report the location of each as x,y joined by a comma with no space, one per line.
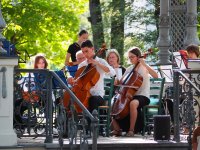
41,64
83,37
112,59
133,58
192,55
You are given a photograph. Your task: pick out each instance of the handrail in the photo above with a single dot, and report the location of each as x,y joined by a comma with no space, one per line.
189,117
188,80
49,75
74,98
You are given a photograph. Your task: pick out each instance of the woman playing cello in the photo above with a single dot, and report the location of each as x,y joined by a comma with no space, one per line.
138,100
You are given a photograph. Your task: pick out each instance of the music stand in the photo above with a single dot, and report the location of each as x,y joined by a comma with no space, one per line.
165,71
179,61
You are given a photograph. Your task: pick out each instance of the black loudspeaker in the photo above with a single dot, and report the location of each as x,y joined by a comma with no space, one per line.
161,127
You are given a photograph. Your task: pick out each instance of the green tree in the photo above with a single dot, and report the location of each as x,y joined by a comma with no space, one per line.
117,26
145,18
46,26
96,22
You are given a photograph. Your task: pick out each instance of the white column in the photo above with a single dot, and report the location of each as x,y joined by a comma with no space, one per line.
7,135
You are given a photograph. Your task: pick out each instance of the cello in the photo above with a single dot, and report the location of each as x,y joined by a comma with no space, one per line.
85,78
128,88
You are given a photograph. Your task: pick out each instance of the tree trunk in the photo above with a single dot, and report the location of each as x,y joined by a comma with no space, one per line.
96,23
117,26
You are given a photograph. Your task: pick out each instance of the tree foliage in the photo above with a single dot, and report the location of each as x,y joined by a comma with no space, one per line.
96,23
46,26
117,26
145,18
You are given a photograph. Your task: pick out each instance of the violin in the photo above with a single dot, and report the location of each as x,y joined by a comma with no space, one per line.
130,85
85,78
146,54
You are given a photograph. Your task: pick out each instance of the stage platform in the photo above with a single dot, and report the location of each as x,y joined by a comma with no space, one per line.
138,142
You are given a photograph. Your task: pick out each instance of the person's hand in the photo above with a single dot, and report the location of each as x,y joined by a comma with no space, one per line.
70,80
116,82
92,61
69,63
142,61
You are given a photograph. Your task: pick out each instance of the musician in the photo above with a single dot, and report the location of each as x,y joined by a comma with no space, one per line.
72,66
113,59
32,95
80,57
138,100
75,47
193,51
102,67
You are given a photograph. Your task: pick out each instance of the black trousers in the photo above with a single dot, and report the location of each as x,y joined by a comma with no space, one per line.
95,102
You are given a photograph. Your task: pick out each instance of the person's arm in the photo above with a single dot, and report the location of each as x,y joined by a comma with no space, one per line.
152,72
67,63
103,65
67,59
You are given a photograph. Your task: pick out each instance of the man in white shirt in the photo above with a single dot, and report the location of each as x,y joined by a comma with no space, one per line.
102,67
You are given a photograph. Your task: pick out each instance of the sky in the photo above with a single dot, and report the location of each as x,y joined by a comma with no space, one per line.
136,27
139,2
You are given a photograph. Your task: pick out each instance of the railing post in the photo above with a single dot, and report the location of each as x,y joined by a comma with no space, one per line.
94,129
190,114
49,110
176,106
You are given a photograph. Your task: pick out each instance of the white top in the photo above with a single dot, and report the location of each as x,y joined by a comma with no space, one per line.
145,87
118,73
98,89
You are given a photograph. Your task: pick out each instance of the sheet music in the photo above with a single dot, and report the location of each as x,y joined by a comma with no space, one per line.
167,72
164,71
179,60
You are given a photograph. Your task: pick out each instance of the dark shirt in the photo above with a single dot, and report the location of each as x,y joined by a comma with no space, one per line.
73,48
123,69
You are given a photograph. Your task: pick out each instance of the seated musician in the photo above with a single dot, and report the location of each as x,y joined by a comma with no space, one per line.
29,84
193,51
113,59
97,91
80,57
138,100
